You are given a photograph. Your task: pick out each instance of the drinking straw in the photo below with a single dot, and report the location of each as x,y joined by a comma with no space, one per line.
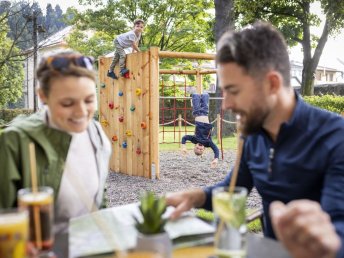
240,144
33,170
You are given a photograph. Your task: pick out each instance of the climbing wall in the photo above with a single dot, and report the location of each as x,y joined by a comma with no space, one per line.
129,114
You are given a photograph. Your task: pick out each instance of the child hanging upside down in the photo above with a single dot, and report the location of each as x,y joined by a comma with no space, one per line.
202,138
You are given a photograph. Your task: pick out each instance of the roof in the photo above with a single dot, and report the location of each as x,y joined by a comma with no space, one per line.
56,39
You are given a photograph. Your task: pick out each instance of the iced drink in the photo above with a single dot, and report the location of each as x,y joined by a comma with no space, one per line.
14,227
39,205
230,241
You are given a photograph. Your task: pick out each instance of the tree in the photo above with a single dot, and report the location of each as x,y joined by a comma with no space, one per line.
11,70
171,25
294,19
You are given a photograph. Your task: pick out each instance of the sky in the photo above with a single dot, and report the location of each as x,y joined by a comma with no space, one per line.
333,49
64,4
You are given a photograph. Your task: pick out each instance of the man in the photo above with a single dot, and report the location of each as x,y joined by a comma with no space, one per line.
202,137
293,153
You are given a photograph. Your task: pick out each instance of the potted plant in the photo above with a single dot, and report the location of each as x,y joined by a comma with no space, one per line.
151,232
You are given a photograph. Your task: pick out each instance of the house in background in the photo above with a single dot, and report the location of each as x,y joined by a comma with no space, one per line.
54,43
323,74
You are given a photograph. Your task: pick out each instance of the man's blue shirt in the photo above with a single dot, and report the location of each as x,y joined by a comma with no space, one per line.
305,162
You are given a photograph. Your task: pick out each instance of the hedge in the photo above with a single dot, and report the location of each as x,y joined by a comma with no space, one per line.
332,103
7,115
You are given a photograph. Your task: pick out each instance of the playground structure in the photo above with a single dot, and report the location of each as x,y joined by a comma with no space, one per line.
129,109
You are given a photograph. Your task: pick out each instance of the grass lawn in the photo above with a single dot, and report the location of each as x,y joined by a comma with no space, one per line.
168,137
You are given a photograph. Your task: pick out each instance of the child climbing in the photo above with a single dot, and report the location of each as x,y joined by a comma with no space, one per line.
202,137
122,41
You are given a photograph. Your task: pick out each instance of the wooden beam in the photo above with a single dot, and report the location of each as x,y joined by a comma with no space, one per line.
154,111
171,71
186,55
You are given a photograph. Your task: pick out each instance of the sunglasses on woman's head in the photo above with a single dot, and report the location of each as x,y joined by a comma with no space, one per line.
62,63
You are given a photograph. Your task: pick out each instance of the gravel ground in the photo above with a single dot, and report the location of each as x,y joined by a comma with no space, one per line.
176,173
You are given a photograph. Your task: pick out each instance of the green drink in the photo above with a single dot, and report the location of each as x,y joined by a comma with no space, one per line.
230,239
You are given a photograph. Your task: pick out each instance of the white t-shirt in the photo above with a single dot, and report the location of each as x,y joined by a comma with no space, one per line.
79,183
127,39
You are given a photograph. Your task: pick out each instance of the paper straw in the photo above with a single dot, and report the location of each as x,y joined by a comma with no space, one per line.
240,144
36,216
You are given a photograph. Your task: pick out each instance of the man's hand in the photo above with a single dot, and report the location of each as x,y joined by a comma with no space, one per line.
184,150
184,201
304,229
213,164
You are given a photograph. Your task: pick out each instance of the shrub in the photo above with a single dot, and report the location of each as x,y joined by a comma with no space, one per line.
7,115
331,103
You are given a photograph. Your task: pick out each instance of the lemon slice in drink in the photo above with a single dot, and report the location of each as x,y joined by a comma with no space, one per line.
222,206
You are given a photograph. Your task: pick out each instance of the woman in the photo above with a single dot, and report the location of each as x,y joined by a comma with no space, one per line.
72,151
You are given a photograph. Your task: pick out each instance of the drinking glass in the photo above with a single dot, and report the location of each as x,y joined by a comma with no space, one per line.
229,209
14,229
40,206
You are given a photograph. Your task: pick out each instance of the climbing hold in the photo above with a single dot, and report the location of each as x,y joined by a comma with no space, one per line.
138,92
143,125
102,85
132,108
121,118
117,107
124,145
128,133
138,151
126,75
111,105
114,138
104,123
120,93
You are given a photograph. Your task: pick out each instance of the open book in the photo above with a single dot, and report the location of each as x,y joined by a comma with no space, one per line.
113,229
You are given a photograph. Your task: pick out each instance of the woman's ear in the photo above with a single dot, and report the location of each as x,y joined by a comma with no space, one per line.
41,96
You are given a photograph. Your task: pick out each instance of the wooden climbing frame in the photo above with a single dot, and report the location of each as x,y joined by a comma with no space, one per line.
129,110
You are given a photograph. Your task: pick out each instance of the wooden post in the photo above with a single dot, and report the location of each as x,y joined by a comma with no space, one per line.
218,124
154,110
180,128
199,87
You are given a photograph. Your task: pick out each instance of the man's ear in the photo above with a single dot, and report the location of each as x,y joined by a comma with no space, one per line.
275,81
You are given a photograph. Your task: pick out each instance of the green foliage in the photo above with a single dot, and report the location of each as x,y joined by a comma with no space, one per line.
295,19
331,103
95,45
7,115
152,208
171,25
11,70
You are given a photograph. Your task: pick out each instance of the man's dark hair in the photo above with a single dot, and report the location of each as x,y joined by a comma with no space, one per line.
258,49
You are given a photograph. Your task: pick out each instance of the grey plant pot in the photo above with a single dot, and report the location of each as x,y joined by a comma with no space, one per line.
160,243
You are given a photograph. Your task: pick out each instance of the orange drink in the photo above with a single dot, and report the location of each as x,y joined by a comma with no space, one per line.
14,228
41,215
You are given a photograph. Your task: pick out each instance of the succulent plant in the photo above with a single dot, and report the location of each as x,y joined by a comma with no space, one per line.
152,208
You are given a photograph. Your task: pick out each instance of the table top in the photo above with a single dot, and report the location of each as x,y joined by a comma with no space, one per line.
258,247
